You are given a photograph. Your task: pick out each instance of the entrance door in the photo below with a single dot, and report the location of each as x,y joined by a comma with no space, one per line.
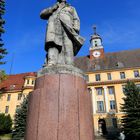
102,126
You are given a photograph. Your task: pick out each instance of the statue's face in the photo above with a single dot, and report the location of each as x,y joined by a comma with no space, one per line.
61,0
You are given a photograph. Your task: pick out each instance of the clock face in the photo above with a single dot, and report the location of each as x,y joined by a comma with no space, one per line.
96,53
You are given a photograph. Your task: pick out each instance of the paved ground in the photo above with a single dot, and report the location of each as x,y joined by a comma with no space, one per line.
105,138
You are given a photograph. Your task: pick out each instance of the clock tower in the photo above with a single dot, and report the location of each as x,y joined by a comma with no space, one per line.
96,48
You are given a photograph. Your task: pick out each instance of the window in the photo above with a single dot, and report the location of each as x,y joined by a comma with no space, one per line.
12,87
99,91
112,104
87,78
111,90
33,82
90,90
122,75
114,122
8,97
19,96
28,81
96,43
136,73
123,88
100,106
6,109
109,76
97,77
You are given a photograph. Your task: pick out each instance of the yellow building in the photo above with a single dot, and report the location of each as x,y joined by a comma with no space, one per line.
107,74
13,90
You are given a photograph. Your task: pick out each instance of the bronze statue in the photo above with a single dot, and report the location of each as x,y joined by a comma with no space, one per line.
62,38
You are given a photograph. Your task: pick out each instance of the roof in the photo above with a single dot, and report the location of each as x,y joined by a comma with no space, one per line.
95,36
110,61
15,82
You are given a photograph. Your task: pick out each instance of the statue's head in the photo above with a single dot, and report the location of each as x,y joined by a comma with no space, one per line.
62,0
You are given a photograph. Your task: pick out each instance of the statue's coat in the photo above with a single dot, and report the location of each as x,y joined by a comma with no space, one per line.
64,19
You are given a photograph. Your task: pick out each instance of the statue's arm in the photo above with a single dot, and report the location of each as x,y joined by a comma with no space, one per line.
46,13
76,21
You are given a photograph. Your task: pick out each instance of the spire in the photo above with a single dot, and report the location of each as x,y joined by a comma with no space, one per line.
94,29
96,40
95,35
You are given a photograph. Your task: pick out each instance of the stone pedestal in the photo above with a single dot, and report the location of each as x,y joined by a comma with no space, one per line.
60,107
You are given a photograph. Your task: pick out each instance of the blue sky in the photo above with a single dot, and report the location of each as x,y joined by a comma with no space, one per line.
118,23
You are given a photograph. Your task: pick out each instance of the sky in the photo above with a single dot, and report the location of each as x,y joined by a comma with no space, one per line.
117,21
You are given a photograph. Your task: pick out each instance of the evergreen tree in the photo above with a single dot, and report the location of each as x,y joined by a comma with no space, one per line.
20,120
2,75
5,123
131,107
3,51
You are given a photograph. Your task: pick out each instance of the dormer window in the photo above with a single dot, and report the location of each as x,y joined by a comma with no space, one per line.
119,64
12,87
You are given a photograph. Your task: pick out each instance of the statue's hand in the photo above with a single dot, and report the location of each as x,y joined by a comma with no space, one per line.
46,13
55,7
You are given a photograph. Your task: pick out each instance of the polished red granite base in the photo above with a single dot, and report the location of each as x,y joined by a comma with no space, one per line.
60,108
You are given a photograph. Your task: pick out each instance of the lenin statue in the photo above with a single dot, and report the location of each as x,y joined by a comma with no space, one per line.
62,37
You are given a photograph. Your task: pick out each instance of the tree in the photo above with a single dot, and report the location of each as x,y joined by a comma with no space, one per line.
20,120
2,75
5,123
3,51
131,107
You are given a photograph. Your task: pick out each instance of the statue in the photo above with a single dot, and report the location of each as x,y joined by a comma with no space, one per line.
62,37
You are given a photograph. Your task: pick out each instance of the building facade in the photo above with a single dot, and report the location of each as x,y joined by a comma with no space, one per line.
13,90
107,74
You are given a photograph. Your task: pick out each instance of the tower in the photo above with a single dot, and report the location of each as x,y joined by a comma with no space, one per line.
96,48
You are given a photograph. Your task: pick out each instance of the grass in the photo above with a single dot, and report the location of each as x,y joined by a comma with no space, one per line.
5,137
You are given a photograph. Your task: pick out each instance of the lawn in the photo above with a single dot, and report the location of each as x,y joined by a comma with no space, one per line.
5,137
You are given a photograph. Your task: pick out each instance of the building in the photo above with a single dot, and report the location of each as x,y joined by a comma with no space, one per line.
107,74
13,90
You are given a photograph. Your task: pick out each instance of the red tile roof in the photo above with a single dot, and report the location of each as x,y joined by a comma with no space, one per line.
15,82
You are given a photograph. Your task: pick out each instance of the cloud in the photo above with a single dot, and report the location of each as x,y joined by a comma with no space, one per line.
120,32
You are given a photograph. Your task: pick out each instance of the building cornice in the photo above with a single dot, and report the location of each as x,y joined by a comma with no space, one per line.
112,70
17,90
28,87
122,81
10,91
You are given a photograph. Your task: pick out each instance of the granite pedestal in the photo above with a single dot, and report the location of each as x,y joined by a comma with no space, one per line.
60,107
